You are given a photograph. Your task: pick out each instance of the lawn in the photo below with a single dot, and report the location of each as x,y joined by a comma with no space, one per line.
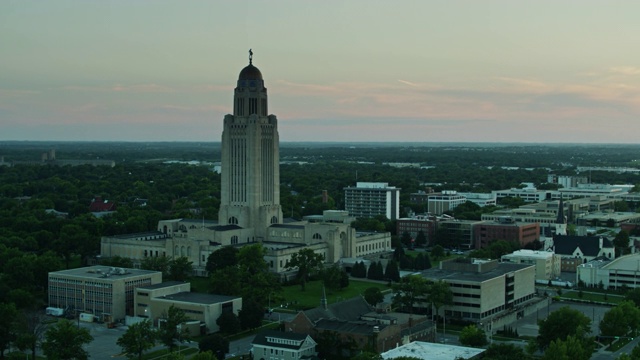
592,296
293,298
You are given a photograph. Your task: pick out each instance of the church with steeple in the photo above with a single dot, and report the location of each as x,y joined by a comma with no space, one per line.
250,210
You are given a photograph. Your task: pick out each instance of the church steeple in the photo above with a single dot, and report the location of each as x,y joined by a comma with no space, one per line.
561,222
560,218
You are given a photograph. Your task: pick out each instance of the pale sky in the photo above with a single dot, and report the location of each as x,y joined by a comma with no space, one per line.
432,71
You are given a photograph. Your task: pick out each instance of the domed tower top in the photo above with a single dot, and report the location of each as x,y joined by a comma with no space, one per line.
250,72
250,94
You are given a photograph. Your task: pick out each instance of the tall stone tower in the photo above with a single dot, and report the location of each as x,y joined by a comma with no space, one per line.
250,158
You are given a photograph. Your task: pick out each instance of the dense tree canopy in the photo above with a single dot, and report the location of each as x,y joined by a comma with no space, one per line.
138,338
562,323
66,341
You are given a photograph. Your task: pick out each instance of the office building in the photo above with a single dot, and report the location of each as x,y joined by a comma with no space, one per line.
483,290
505,229
105,292
367,200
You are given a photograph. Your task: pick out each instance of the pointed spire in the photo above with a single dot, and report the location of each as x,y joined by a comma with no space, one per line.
250,56
560,219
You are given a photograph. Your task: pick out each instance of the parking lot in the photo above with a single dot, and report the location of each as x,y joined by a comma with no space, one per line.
528,325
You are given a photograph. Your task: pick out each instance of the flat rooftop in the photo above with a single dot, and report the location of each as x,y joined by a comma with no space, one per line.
197,298
161,285
500,270
432,351
104,273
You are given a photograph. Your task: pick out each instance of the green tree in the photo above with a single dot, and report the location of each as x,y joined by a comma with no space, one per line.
373,296
437,252
180,269
217,344
409,291
421,239
228,323
65,340
170,332
359,270
160,263
332,277
222,258
226,281
573,347
307,262
621,242
406,239
31,328
8,319
138,338
633,295
392,273
560,324
620,320
256,281
251,314
472,336
440,294
375,271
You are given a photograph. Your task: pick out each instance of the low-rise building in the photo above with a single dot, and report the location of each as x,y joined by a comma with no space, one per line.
433,351
356,321
439,203
610,274
483,289
105,292
547,263
153,302
458,233
278,345
414,225
506,229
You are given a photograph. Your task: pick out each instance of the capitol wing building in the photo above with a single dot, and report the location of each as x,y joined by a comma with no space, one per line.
250,210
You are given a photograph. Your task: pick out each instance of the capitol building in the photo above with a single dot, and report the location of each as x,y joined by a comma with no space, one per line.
250,210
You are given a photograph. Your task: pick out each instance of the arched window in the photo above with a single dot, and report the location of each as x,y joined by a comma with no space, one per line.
188,251
274,219
234,239
317,236
233,220
182,251
176,251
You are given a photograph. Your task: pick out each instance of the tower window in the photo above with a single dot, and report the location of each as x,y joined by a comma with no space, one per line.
233,220
317,236
274,220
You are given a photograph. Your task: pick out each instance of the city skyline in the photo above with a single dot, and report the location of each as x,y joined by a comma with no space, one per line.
418,71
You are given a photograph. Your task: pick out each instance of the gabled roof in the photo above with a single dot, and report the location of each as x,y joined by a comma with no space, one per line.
265,338
589,245
347,310
99,205
351,327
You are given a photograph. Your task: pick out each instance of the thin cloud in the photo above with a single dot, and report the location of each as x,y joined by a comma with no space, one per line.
625,70
407,82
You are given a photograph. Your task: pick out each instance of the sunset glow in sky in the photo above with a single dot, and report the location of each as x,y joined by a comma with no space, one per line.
432,71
